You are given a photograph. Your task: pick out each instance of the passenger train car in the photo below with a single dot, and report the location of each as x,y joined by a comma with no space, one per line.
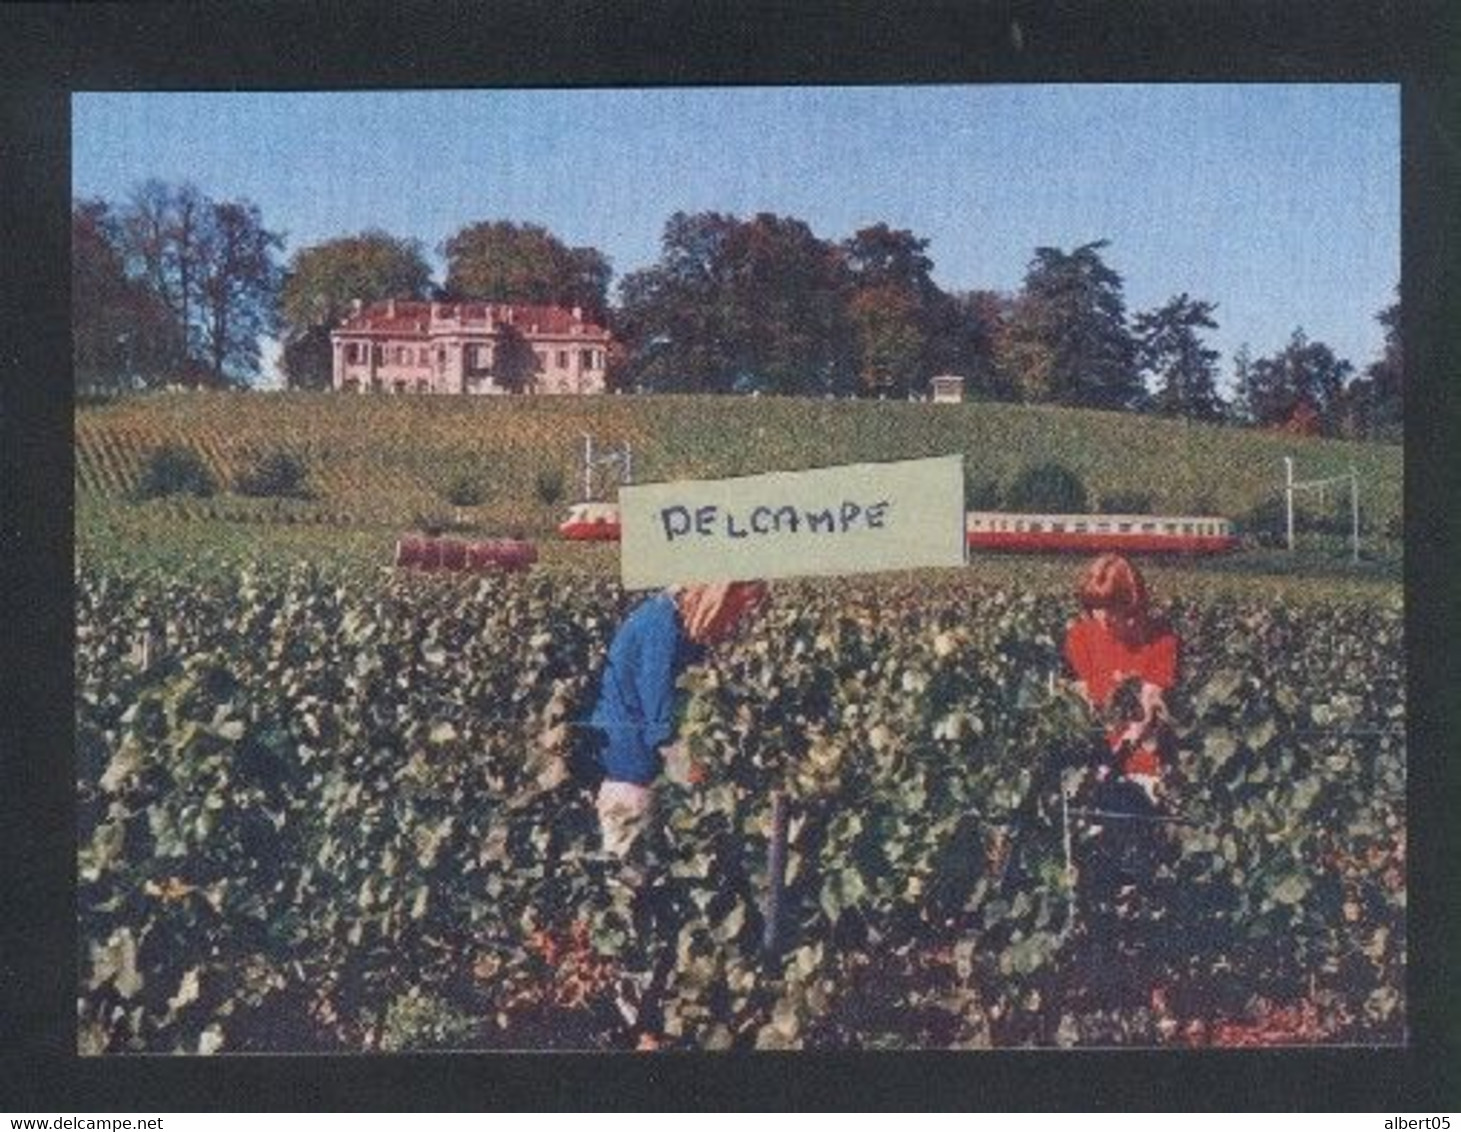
591,522
1001,530
1149,534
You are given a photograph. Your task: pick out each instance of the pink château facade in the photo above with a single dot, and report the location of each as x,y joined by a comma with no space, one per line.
401,346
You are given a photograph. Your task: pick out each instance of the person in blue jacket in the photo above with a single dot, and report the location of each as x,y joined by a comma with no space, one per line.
635,712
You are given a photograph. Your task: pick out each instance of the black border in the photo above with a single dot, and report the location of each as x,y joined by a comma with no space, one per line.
50,50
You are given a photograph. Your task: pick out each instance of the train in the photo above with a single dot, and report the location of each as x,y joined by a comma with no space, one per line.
1136,534
591,522
1012,531
453,555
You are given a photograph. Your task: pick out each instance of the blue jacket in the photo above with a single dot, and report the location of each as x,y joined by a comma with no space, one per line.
636,705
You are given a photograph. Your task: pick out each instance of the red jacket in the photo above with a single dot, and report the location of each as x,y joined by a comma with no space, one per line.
1102,661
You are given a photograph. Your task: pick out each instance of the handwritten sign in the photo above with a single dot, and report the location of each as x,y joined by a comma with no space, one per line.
851,519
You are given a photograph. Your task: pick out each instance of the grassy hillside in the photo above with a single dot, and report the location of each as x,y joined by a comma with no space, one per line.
383,461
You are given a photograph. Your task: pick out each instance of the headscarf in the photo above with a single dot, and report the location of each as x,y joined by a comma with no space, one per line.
1112,582
711,611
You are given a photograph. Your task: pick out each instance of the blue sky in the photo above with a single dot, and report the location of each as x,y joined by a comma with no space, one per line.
1280,203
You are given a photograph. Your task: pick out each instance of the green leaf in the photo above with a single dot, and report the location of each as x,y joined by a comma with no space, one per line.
1218,745
1292,889
1221,690
730,926
115,962
232,730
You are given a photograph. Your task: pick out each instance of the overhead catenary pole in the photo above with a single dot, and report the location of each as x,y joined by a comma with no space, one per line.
1352,477
621,458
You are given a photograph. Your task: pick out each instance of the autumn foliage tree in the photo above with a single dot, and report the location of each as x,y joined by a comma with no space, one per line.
893,307
122,332
1302,385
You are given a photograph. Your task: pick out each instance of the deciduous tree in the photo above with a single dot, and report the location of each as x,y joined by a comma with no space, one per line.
320,283
1171,353
1304,378
238,288
498,261
1374,405
123,335
212,265
735,304
1068,341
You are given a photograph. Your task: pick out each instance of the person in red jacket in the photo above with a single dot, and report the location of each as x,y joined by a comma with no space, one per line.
1116,642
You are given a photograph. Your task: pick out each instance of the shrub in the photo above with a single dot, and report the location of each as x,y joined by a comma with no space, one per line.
466,491
422,1020
1267,523
275,475
981,494
1126,503
1048,487
174,470
434,525
548,486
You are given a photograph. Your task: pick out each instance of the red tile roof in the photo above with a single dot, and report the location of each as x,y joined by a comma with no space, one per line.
412,318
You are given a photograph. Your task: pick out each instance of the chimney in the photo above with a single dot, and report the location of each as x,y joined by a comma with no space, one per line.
355,308
390,308
577,314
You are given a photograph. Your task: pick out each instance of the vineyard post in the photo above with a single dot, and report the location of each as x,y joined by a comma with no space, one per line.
588,467
1354,511
775,875
1065,834
1288,468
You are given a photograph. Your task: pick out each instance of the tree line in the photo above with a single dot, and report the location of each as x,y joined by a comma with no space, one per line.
171,285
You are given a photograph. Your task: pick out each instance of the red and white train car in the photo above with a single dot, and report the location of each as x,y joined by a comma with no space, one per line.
591,522
1137,534
507,555
1003,530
